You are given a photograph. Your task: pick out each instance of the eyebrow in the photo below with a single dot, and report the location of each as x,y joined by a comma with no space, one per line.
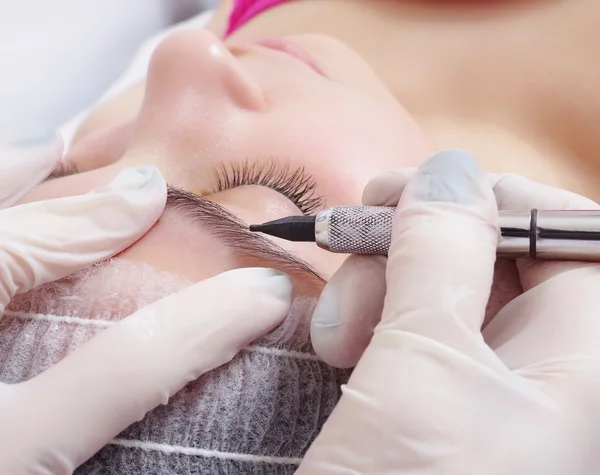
233,233
61,170
224,226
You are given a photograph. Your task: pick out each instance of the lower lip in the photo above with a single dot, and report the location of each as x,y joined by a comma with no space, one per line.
293,50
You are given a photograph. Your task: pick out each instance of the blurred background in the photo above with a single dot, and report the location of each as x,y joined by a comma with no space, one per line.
58,56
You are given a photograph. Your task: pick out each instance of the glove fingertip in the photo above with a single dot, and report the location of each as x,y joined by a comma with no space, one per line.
386,189
276,283
238,307
134,201
143,186
264,292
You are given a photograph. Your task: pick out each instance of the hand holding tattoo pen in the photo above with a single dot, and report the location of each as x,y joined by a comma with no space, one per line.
356,291
434,390
53,421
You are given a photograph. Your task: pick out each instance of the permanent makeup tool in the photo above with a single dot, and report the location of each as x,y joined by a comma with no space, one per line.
562,235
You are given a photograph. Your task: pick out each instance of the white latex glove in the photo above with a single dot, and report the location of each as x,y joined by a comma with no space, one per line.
57,420
431,394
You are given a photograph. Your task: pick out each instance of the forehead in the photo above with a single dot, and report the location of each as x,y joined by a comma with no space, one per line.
178,244
197,245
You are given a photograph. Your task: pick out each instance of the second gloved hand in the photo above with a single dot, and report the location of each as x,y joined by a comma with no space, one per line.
432,393
52,423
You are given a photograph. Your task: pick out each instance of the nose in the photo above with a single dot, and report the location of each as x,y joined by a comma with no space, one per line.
197,61
194,86
199,100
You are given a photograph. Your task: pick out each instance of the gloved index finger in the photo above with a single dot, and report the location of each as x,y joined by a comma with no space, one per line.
47,240
442,254
386,189
513,192
68,412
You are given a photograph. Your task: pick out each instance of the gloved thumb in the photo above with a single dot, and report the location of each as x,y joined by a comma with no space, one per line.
348,310
69,412
351,304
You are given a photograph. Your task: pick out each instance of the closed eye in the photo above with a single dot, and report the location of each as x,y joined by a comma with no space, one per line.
297,185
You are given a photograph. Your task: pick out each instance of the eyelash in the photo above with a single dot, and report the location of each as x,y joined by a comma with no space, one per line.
295,184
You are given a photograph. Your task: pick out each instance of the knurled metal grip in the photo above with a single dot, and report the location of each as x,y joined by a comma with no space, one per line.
355,229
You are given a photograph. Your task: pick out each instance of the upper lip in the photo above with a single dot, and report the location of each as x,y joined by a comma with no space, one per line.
292,49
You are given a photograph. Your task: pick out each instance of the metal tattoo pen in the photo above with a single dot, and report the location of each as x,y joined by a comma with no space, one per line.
559,235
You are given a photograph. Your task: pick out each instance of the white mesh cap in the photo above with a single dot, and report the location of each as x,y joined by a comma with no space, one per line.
256,415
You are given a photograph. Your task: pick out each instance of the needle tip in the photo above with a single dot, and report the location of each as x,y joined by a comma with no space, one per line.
292,228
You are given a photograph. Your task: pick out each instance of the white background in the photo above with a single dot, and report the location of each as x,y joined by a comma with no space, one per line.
58,56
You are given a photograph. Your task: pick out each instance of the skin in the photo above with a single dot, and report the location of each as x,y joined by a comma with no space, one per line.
501,79
208,104
512,81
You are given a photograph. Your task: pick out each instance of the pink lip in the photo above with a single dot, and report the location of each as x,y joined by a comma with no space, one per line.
292,49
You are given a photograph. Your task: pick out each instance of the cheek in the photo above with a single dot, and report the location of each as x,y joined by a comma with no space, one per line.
344,141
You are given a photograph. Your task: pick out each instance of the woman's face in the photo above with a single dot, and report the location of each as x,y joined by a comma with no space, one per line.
264,129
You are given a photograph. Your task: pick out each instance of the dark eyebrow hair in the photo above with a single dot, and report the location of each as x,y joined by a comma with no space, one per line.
223,225
63,169
232,232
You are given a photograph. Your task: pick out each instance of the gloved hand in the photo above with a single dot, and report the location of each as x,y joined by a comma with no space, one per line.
57,420
431,393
